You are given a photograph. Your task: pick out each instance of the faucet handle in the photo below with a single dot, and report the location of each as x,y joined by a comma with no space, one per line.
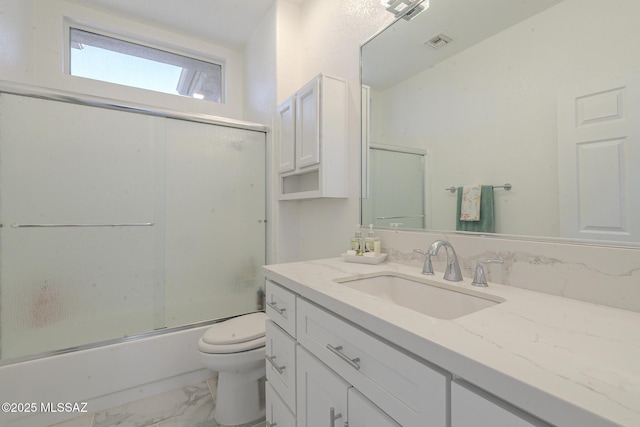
480,279
427,268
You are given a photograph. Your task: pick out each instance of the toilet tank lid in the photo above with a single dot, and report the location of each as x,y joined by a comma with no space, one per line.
239,329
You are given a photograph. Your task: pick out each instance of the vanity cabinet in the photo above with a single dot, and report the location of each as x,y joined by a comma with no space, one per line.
312,141
408,390
280,354
472,407
326,399
343,373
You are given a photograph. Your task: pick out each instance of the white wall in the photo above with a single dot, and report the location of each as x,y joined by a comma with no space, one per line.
32,43
324,37
501,119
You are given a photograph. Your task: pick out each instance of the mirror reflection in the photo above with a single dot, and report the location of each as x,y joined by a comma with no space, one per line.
541,95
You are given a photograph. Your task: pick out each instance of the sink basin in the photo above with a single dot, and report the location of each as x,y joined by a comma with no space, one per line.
422,295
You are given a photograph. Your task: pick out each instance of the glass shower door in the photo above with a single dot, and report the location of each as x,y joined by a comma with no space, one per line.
117,223
215,228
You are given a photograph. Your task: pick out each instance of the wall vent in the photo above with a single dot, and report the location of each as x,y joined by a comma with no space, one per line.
438,41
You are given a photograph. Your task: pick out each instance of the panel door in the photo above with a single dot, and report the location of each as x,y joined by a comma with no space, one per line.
363,413
308,125
322,394
277,413
599,159
286,136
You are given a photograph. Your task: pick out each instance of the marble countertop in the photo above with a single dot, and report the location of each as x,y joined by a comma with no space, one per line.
568,362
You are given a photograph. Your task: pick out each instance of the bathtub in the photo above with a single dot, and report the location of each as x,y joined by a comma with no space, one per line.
99,378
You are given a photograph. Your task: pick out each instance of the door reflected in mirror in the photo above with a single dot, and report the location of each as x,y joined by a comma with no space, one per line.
539,94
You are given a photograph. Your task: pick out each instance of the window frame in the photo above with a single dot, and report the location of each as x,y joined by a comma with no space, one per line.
72,24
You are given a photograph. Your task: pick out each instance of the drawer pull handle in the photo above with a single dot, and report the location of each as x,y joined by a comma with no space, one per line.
333,417
274,305
338,352
271,360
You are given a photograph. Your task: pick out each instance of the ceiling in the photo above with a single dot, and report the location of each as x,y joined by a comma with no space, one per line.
227,22
400,52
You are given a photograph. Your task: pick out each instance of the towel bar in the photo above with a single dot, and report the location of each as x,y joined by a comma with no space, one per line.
507,187
143,224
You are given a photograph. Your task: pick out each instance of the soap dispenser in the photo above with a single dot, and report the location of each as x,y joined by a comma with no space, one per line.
357,247
372,243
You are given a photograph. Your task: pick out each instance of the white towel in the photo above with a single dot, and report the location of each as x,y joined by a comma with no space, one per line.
470,208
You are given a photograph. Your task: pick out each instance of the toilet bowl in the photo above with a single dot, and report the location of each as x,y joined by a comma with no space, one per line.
235,349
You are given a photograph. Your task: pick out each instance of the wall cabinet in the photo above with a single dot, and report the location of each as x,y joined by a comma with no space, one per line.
312,141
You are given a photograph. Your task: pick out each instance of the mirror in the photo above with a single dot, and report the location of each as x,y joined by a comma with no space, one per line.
538,94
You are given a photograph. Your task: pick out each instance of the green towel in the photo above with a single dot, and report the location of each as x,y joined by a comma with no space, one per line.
487,222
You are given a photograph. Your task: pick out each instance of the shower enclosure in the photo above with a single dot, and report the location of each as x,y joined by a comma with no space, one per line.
116,222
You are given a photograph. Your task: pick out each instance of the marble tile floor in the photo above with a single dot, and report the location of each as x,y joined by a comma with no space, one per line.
190,406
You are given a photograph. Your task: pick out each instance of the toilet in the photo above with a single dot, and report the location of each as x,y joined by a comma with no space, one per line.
235,349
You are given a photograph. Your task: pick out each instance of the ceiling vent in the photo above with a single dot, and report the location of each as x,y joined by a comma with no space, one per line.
438,41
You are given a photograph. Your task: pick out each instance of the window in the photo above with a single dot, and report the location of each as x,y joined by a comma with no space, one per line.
99,57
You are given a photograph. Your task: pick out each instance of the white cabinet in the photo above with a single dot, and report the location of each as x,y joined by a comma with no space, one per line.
411,392
277,413
363,413
287,136
322,394
471,407
281,363
343,373
312,141
280,354
326,399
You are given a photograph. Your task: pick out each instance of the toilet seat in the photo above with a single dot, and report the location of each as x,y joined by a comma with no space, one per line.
235,335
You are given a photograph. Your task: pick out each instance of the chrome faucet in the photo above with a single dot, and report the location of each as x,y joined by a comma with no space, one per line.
480,279
452,271
427,268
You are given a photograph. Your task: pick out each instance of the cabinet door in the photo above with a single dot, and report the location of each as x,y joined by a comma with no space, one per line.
277,413
286,136
363,413
322,394
471,409
308,125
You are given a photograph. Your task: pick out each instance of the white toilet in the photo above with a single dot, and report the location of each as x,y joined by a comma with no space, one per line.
235,349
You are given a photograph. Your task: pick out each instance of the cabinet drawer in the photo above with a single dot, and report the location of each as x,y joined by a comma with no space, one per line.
280,351
277,413
411,392
281,307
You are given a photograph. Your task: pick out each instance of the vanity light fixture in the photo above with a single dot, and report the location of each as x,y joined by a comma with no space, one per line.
407,9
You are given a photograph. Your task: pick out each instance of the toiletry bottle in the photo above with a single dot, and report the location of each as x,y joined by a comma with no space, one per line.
260,297
356,242
372,243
